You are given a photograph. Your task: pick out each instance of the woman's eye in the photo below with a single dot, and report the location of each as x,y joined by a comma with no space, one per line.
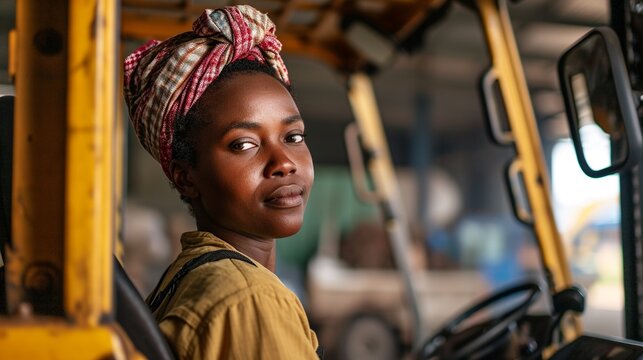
295,138
242,145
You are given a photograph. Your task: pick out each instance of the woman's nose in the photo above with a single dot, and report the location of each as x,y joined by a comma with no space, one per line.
280,164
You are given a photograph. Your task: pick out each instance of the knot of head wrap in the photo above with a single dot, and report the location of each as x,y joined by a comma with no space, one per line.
163,80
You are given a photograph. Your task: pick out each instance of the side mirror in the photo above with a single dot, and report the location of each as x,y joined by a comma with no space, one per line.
600,104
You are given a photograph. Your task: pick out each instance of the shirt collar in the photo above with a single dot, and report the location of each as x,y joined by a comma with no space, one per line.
194,239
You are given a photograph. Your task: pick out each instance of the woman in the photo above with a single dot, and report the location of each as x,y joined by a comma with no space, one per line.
213,107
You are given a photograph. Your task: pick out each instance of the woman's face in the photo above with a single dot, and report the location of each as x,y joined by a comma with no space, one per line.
253,171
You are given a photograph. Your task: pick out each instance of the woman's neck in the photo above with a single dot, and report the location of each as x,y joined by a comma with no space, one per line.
262,251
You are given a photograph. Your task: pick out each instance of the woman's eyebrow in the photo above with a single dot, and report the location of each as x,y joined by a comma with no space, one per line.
292,119
241,125
255,125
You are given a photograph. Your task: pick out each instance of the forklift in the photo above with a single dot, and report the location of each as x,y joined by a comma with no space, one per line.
66,296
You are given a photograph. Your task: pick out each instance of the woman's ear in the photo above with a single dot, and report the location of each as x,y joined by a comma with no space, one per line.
182,179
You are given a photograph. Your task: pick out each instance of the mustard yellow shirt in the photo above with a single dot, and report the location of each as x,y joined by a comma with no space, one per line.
229,309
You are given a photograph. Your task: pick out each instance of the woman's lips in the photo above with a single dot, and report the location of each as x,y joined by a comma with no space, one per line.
287,196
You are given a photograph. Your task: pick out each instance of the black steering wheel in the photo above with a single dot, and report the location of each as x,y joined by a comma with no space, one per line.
454,343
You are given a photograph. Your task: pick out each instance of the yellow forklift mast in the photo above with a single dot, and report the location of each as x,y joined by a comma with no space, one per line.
64,196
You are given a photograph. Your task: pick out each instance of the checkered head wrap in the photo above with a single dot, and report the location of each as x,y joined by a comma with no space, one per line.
163,79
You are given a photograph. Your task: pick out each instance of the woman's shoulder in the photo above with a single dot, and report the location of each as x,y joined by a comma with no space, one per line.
220,285
232,274
229,299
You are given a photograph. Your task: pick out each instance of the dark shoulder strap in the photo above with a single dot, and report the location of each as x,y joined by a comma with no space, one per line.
156,298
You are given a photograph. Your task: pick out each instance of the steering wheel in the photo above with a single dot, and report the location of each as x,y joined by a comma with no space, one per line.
453,343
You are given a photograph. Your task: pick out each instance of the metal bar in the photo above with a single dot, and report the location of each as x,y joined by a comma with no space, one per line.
65,91
364,105
622,19
357,166
632,244
56,339
13,45
90,186
55,86
34,263
513,87
506,63
162,27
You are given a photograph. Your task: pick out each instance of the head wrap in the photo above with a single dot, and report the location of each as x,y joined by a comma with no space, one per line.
163,80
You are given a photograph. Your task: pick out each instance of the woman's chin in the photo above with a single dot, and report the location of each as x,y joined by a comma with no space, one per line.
288,230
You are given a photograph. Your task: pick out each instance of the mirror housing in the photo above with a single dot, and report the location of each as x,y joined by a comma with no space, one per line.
599,103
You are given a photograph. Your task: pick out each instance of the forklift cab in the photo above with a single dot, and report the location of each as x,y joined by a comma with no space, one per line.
63,288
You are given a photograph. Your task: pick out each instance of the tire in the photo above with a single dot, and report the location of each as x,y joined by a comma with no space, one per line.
368,337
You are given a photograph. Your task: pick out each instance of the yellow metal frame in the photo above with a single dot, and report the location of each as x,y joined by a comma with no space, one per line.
513,87
35,262
364,105
58,340
89,202
64,184
506,62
